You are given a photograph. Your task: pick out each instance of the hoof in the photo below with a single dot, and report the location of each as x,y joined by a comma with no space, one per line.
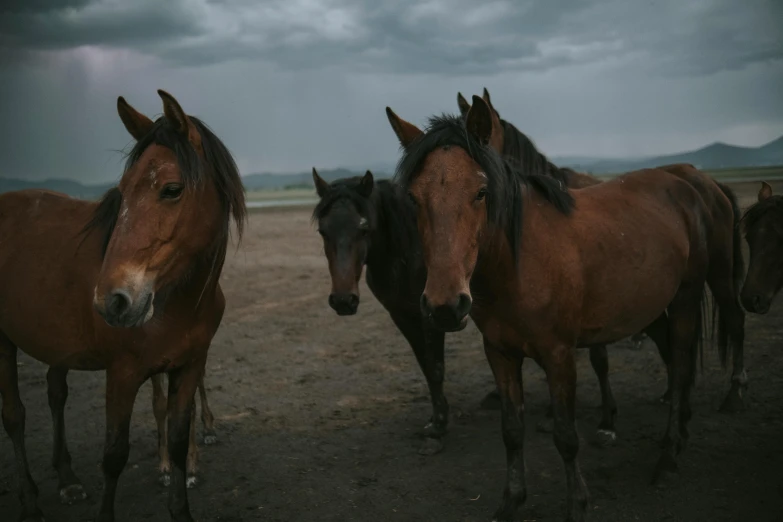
72,493
733,403
434,431
491,401
165,479
210,438
546,425
665,470
35,517
606,438
431,446
191,482
666,397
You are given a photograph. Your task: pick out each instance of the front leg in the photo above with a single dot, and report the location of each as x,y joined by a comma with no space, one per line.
207,418
427,345
160,409
599,359
122,385
183,383
507,369
560,370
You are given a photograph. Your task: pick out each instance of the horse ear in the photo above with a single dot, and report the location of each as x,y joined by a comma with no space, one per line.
406,132
765,192
479,121
366,185
489,102
464,106
135,122
321,186
174,113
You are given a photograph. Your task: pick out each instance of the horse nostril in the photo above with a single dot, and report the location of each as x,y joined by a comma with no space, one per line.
353,301
463,305
119,302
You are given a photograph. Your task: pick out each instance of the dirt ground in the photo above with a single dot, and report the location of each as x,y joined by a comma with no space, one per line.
318,418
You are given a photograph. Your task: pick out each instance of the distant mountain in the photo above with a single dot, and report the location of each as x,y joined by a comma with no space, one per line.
715,156
711,157
267,181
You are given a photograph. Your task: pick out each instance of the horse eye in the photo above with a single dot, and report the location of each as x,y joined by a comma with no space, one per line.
412,199
481,194
171,191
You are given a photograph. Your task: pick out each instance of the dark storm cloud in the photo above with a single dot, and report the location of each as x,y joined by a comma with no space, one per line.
448,37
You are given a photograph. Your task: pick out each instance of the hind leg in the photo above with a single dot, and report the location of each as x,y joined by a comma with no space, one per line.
191,465
160,409
13,421
600,360
207,419
71,489
731,337
658,331
684,334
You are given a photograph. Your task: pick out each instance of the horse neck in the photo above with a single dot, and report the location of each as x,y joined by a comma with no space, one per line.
201,283
387,242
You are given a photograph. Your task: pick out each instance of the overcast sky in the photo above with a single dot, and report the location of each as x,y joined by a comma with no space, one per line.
289,84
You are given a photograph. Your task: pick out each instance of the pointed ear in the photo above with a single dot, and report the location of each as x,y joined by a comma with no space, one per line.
321,186
135,122
366,185
406,132
479,121
489,102
464,106
174,113
765,192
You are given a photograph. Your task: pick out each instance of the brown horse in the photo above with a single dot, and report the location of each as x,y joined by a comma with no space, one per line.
519,148
131,287
542,270
763,226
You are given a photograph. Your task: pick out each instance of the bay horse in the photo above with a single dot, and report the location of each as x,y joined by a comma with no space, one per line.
516,146
541,270
132,288
763,227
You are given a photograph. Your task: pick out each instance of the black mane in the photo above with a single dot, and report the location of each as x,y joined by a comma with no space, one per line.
759,210
505,178
517,147
217,166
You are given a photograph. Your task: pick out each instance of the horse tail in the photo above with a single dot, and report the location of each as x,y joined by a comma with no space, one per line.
738,275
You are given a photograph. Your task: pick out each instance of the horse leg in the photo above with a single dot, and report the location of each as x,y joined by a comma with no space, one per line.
731,334
507,370
599,359
71,489
183,383
207,419
122,385
561,374
658,331
638,339
13,422
160,409
427,345
684,320
192,462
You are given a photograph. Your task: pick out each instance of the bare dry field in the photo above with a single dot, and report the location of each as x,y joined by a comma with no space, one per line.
318,418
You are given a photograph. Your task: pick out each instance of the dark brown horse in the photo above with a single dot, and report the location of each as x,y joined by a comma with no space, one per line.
763,226
371,223
542,270
131,287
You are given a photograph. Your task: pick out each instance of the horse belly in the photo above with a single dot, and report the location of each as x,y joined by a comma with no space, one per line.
632,289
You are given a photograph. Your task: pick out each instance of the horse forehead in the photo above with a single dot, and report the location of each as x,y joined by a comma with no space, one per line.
447,165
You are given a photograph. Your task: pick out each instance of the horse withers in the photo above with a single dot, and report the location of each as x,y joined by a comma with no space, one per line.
128,285
542,270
